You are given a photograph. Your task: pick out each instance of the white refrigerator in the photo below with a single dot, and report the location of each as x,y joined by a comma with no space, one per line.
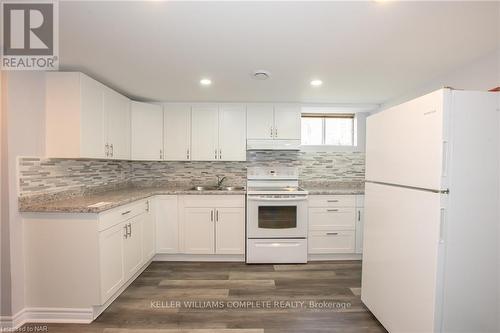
431,255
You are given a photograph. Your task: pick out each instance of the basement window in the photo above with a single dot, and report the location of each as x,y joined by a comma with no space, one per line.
320,129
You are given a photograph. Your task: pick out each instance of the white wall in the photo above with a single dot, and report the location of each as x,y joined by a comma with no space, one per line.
482,74
4,220
23,127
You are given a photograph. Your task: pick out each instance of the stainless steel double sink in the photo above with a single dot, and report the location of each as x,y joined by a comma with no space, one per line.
215,188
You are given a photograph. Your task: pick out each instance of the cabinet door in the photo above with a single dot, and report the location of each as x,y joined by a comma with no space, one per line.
147,131
198,230
230,231
117,110
177,132
93,133
132,246
111,260
232,133
204,133
287,122
167,225
359,230
260,121
148,232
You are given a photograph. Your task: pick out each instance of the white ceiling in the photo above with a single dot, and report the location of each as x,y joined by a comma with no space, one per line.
365,52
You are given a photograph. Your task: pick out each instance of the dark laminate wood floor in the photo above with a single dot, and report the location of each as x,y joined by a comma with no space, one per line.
194,297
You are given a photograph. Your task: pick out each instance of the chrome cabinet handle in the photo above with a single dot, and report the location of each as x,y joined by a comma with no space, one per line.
129,230
332,201
217,215
106,150
271,131
112,150
332,210
147,206
126,231
187,154
359,215
127,212
161,154
332,233
215,154
212,215
220,154
275,132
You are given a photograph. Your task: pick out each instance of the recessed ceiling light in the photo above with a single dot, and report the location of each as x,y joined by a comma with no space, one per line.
316,83
205,82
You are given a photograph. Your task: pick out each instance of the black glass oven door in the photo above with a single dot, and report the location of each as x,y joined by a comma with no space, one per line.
277,217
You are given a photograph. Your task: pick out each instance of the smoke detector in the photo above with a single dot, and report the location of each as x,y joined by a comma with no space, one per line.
261,74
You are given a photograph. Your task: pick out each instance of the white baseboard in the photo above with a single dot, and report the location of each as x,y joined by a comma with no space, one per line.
199,257
11,323
337,256
46,315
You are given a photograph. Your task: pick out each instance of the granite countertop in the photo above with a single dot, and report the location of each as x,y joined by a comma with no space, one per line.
83,203
334,188
96,202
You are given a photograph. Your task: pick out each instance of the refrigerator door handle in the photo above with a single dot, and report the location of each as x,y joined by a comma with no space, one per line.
442,226
442,191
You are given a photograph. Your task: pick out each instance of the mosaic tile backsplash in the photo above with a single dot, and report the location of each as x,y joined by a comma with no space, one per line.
40,175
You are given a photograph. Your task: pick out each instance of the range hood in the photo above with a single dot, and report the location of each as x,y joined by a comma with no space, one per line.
265,144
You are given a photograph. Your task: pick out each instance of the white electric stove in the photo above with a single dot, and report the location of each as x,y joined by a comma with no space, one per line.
276,216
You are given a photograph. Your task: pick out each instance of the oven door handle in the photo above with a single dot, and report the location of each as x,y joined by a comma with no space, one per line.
277,244
277,199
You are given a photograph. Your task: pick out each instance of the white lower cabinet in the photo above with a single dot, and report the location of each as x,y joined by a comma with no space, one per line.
111,260
149,232
230,230
333,224
213,224
198,230
124,244
101,253
167,224
359,223
132,246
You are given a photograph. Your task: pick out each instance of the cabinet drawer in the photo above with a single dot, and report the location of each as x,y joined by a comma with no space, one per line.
332,201
213,201
332,218
111,217
330,242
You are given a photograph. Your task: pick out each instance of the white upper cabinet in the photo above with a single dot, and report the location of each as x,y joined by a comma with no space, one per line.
204,133
177,132
147,131
273,126
92,122
218,132
117,112
260,121
232,133
287,122
75,122
85,119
